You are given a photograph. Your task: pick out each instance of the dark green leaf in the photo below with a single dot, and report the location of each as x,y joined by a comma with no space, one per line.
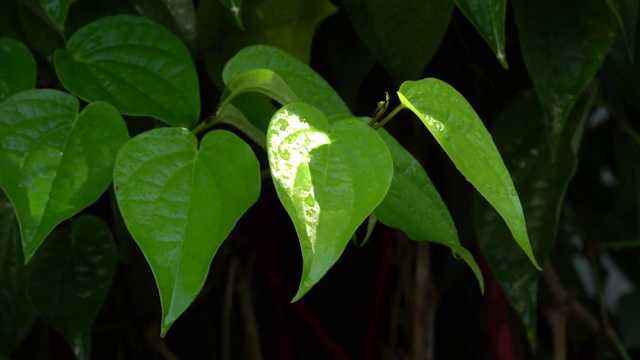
626,15
179,16
235,8
17,68
462,135
55,161
329,177
402,35
180,202
136,65
488,16
563,45
43,37
57,10
69,277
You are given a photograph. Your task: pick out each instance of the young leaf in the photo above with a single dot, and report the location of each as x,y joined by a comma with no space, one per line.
17,68
180,202
402,35
134,64
69,277
310,87
487,17
563,45
414,206
57,10
462,135
329,177
55,161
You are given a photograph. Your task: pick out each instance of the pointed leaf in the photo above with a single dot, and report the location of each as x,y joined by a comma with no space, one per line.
562,49
179,16
17,68
462,135
310,87
55,161
17,314
69,277
235,8
57,10
487,16
414,206
403,35
329,179
541,183
180,202
134,64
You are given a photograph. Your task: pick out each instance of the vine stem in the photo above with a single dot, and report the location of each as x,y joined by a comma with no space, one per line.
386,119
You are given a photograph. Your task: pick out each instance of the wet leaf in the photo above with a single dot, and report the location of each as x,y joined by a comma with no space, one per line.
488,16
17,68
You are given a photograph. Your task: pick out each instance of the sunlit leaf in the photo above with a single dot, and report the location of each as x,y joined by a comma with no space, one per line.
17,68
488,16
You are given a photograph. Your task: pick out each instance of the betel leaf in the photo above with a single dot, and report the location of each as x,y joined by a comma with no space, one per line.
626,15
462,135
403,35
563,45
69,277
310,87
179,16
16,311
57,10
488,16
136,65
541,182
42,35
414,206
180,202
17,68
329,177
235,8
55,160
263,81
230,115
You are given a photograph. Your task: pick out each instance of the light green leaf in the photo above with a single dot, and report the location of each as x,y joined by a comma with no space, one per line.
462,135
329,177
310,87
55,161
414,206
180,202
69,277
17,68
488,16
134,64
235,8
262,81
230,115
563,45
179,16
57,10
403,34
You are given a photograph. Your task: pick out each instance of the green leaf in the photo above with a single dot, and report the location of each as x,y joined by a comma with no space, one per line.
329,177
414,206
310,87
17,68
488,16
179,16
541,183
231,115
57,10
16,311
134,64
626,15
402,35
180,202
69,277
263,81
235,8
563,45
43,37
55,161
462,135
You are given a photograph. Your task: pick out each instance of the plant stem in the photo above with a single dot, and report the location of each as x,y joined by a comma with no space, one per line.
386,119
205,124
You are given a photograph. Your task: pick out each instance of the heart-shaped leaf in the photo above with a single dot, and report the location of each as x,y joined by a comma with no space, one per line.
462,135
69,277
55,161
136,65
57,10
414,206
329,177
487,16
17,68
180,203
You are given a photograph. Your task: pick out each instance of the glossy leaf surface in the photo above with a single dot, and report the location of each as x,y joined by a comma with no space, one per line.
329,177
541,183
180,202
414,206
57,10
562,50
69,277
16,311
17,68
462,135
310,87
54,160
179,16
403,35
136,65
488,16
